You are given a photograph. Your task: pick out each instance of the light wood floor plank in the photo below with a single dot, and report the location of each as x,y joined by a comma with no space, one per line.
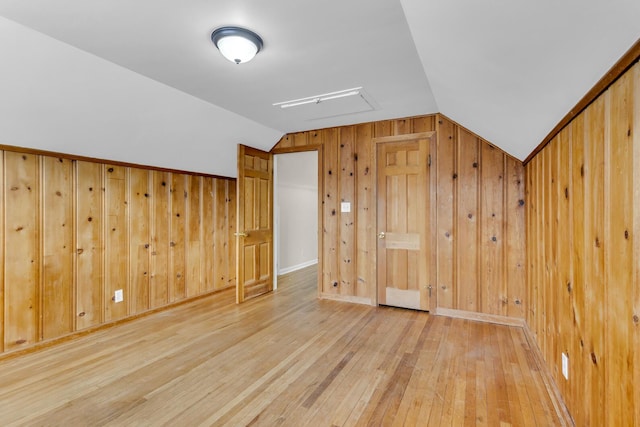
282,359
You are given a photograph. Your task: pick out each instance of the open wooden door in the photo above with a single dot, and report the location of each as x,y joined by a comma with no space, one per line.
403,220
254,239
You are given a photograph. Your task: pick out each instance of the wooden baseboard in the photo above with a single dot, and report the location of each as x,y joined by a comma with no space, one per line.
75,335
549,382
297,267
346,298
479,317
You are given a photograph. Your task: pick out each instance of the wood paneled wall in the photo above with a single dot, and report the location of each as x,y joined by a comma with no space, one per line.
583,254
73,232
479,229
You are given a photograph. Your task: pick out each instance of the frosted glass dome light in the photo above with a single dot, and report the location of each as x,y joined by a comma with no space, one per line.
237,44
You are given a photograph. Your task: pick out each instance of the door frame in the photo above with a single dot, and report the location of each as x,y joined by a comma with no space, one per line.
432,197
320,149
276,224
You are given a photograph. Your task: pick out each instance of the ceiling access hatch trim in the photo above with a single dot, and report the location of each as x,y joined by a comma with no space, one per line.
316,99
332,104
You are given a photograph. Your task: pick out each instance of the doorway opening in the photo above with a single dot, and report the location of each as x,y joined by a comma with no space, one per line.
295,205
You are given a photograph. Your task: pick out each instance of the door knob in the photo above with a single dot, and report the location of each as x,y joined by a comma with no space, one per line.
241,234
381,235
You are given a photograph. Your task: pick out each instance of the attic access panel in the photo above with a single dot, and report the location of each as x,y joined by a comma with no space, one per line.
328,105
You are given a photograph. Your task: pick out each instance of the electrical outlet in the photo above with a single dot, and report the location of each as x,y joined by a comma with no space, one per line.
565,366
119,296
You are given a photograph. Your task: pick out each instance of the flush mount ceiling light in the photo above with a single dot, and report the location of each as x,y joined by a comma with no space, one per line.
237,44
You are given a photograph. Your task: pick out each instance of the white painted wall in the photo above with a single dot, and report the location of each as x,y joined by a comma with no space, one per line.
296,210
59,98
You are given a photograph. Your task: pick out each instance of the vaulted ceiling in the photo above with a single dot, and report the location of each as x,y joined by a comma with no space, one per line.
141,81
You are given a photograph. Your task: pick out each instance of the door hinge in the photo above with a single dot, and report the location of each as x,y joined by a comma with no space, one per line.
429,160
429,289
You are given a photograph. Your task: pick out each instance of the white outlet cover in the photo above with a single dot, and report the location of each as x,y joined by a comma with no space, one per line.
118,296
565,366
345,207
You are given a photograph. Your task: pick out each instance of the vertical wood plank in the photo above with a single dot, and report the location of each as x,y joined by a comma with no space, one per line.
89,244
347,220
194,249
21,276
530,221
467,222
579,383
117,263
365,221
544,186
314,137
551,293
445,202
383,128
331,206
543,270
139,239
636,240
402,126
531,205
619,262
285,142
160,236
220,249
208,227
538,283
540,277
565,265
514,243
57,251
177,246
594,257
299,139
534,251
424,123
492,240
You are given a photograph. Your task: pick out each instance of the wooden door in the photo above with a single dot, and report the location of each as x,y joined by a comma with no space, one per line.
254,238
403,212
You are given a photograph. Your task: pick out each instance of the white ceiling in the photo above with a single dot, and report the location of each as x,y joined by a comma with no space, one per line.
142,82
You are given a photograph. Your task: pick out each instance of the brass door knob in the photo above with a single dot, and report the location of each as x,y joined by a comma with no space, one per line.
241,234
381,235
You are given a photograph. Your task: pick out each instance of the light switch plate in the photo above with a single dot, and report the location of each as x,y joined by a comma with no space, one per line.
565,366
118,296
345,207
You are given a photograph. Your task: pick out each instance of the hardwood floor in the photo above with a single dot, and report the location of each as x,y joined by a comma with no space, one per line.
282,359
